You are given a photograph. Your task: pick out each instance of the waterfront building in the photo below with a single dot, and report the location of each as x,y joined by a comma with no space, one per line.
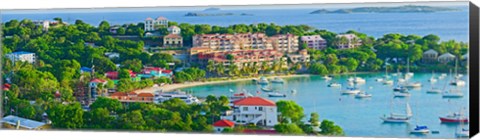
12,121
45,24
174,30
242,57
351,41
222,124
165,96
133,97
314,42
301,57
172,40
256,110
155,72
430,56
22,56
446,57
246,41
152,24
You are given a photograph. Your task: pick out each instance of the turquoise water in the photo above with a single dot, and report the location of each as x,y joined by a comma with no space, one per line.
360,117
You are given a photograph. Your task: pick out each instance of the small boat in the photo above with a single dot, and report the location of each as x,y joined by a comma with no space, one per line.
457,82
278,80
420,130
326,77
454,118
379,79
398,118
254,79
434,90
401,80
294,91
352,90
388,82
452,94
464,133
350,79
263,81
363,95
275,94
413,85
359,80
266,89
400,88
334,84
401,94
432,80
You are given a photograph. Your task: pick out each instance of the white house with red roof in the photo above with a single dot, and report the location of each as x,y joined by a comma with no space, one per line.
222,124
256,110
151,23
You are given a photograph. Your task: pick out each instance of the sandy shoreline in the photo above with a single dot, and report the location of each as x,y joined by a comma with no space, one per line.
171,87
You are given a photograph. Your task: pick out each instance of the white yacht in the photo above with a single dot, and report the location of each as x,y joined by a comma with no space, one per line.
278,80
262,81
187,98
363,95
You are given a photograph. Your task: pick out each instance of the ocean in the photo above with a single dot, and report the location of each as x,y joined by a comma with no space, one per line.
448,25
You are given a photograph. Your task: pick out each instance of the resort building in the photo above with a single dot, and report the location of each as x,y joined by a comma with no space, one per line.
45,24
11,121
133,97
430,56
314,42
301,57
22,56
347,41
152,24
222,124
446,57
172,40
242,57
253,110
174,30
246,41
155,72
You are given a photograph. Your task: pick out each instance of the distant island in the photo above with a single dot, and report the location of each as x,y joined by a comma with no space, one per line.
399,9
212,9
200,14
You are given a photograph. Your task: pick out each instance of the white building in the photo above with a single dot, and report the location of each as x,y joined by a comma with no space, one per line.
45,24
446,57
174,30
352,41
254,110
151,23
314,42
22,56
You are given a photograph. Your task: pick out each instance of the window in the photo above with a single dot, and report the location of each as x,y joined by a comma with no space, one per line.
260,108
245,108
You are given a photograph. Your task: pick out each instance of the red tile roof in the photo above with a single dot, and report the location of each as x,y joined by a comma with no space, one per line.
166,71
247,131
145,95
173,36
96,80
254,101
224,123
119,94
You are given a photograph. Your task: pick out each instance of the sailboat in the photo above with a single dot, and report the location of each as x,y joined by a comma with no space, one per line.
455,117
398,118
409,74
452,93
432,79
434,89
457,81
363,94
351,90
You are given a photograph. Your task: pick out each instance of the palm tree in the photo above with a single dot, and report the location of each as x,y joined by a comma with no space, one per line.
264,66
220,69
340,41
210,66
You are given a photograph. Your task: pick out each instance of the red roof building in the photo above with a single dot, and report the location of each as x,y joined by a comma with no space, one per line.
96,80
114,74
224,123
254,101
133,97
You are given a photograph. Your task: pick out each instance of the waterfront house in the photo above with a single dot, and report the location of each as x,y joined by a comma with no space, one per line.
222,124
174,30
314,42
253,110
152,24
155,72
45,24
133,97
347,41
243,57
22,56
172,40
301,57
12,121
430,56
446,57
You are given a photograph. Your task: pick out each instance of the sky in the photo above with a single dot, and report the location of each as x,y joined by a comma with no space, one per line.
240,7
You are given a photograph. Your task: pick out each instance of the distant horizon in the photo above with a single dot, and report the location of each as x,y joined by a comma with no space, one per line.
231,7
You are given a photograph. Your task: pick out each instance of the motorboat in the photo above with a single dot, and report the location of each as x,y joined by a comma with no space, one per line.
363,95
401,94
420,130
452,94
266,89
388,82
334,84
401,80
278,80
457,82
351,90
275,94
359,80
379,79
400,89
263,81
434,90
326,77
432,80
454,118
187,98
350,79
413,85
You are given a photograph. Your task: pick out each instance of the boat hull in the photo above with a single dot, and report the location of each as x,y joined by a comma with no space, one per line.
452,120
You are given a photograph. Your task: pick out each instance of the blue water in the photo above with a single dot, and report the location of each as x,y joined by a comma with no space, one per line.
360,117
448,25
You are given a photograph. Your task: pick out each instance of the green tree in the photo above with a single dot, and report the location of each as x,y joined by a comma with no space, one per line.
66,116
291,129
330,129
289,110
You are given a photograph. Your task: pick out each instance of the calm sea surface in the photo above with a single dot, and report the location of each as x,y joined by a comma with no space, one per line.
360,117
448,25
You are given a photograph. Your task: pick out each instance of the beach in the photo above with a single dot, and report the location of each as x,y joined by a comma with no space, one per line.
171,87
